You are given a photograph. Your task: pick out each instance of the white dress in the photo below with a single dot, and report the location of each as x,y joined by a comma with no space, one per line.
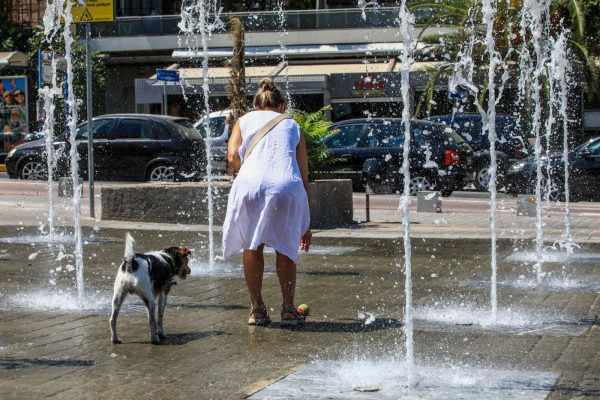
267,202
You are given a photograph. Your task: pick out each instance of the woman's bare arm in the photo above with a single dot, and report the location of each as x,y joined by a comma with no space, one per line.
233,145
302,157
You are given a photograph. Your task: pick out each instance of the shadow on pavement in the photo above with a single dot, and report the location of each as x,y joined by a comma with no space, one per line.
18,363
213,306
177,339
355,326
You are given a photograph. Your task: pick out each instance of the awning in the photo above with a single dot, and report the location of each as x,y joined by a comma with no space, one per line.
13,59
341,81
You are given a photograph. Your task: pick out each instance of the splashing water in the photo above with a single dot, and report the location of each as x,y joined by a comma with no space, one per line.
489,124
534,14
362,4
407,20
73,154
559,71
282,46
199,19
51,27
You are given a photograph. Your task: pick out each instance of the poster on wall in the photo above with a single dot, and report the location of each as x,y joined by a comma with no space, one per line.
14,113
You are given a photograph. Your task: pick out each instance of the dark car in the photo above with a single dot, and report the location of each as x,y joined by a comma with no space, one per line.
370,153
510,144
584,174
129,147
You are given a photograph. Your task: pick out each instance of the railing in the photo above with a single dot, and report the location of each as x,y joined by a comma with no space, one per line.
267,21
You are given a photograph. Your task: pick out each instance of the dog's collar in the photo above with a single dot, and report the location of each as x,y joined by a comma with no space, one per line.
171,262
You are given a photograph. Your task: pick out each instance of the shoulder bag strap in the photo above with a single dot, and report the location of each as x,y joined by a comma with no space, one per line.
262,133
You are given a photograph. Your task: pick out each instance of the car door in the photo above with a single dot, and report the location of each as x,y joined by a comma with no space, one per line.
347,144
588,169
102,129
132,147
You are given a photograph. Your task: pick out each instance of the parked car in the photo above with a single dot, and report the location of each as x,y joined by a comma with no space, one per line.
138,147
584,174
370,153
511,146
219,134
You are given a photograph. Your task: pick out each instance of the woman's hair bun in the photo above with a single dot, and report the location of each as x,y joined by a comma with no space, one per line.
266,84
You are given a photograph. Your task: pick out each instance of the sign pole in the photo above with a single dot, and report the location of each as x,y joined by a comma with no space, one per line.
165,98
90,115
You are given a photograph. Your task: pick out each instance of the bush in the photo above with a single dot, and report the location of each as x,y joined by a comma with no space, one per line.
315,127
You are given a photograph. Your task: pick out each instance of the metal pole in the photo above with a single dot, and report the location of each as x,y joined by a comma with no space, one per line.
164,98
367,207
90,115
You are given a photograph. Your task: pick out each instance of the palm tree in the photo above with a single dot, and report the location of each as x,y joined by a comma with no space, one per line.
236,89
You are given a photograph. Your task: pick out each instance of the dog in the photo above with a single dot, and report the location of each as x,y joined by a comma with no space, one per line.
150,276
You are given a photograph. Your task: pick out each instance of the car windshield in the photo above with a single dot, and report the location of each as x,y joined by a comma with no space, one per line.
187,129
216,125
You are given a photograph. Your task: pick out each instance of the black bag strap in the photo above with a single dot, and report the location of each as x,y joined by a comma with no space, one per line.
262,133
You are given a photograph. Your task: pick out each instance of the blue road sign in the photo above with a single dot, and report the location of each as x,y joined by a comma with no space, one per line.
169,75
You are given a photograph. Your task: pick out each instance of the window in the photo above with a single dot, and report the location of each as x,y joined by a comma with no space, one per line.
102,129
134,129
184,128
469,129
346,136
216,125
385,135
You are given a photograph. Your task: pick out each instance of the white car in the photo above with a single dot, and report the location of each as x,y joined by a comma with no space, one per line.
219,134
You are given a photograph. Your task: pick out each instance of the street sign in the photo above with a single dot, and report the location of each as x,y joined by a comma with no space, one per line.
167,75
93,11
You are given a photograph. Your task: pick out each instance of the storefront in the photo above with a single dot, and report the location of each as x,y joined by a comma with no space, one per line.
352,89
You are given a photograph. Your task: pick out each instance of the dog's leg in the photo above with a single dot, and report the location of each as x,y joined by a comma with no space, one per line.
118,297
162,302
151,305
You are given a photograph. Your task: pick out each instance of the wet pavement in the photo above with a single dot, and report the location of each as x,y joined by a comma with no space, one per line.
544,343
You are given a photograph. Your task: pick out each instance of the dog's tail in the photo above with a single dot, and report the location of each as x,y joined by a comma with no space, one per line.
129,253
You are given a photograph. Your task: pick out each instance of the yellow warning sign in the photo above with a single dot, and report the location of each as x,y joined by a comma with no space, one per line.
93,11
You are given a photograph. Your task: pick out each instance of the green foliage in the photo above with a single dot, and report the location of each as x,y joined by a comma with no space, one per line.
38,40
315,127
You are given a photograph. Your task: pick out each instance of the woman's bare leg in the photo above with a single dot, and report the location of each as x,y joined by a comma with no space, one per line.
286,272
254,267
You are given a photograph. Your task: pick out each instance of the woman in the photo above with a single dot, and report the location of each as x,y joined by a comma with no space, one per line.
268,201
14,130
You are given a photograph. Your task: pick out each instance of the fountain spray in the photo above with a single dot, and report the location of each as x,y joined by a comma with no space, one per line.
489,14
559,71
49,94
407,29
535,14
73,155
199,19
282,33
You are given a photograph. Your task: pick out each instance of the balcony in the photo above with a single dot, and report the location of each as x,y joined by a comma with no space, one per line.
266,21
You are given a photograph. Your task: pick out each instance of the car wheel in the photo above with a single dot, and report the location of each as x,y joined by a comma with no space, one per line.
161,173
420,183
33,170
552,191
482,178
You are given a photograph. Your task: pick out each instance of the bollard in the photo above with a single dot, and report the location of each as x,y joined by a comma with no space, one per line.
429,202
526,205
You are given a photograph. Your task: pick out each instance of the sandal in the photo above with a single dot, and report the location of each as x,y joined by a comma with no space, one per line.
291,317
259,316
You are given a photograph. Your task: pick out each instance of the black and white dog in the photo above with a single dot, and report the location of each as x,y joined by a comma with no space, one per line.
150,276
